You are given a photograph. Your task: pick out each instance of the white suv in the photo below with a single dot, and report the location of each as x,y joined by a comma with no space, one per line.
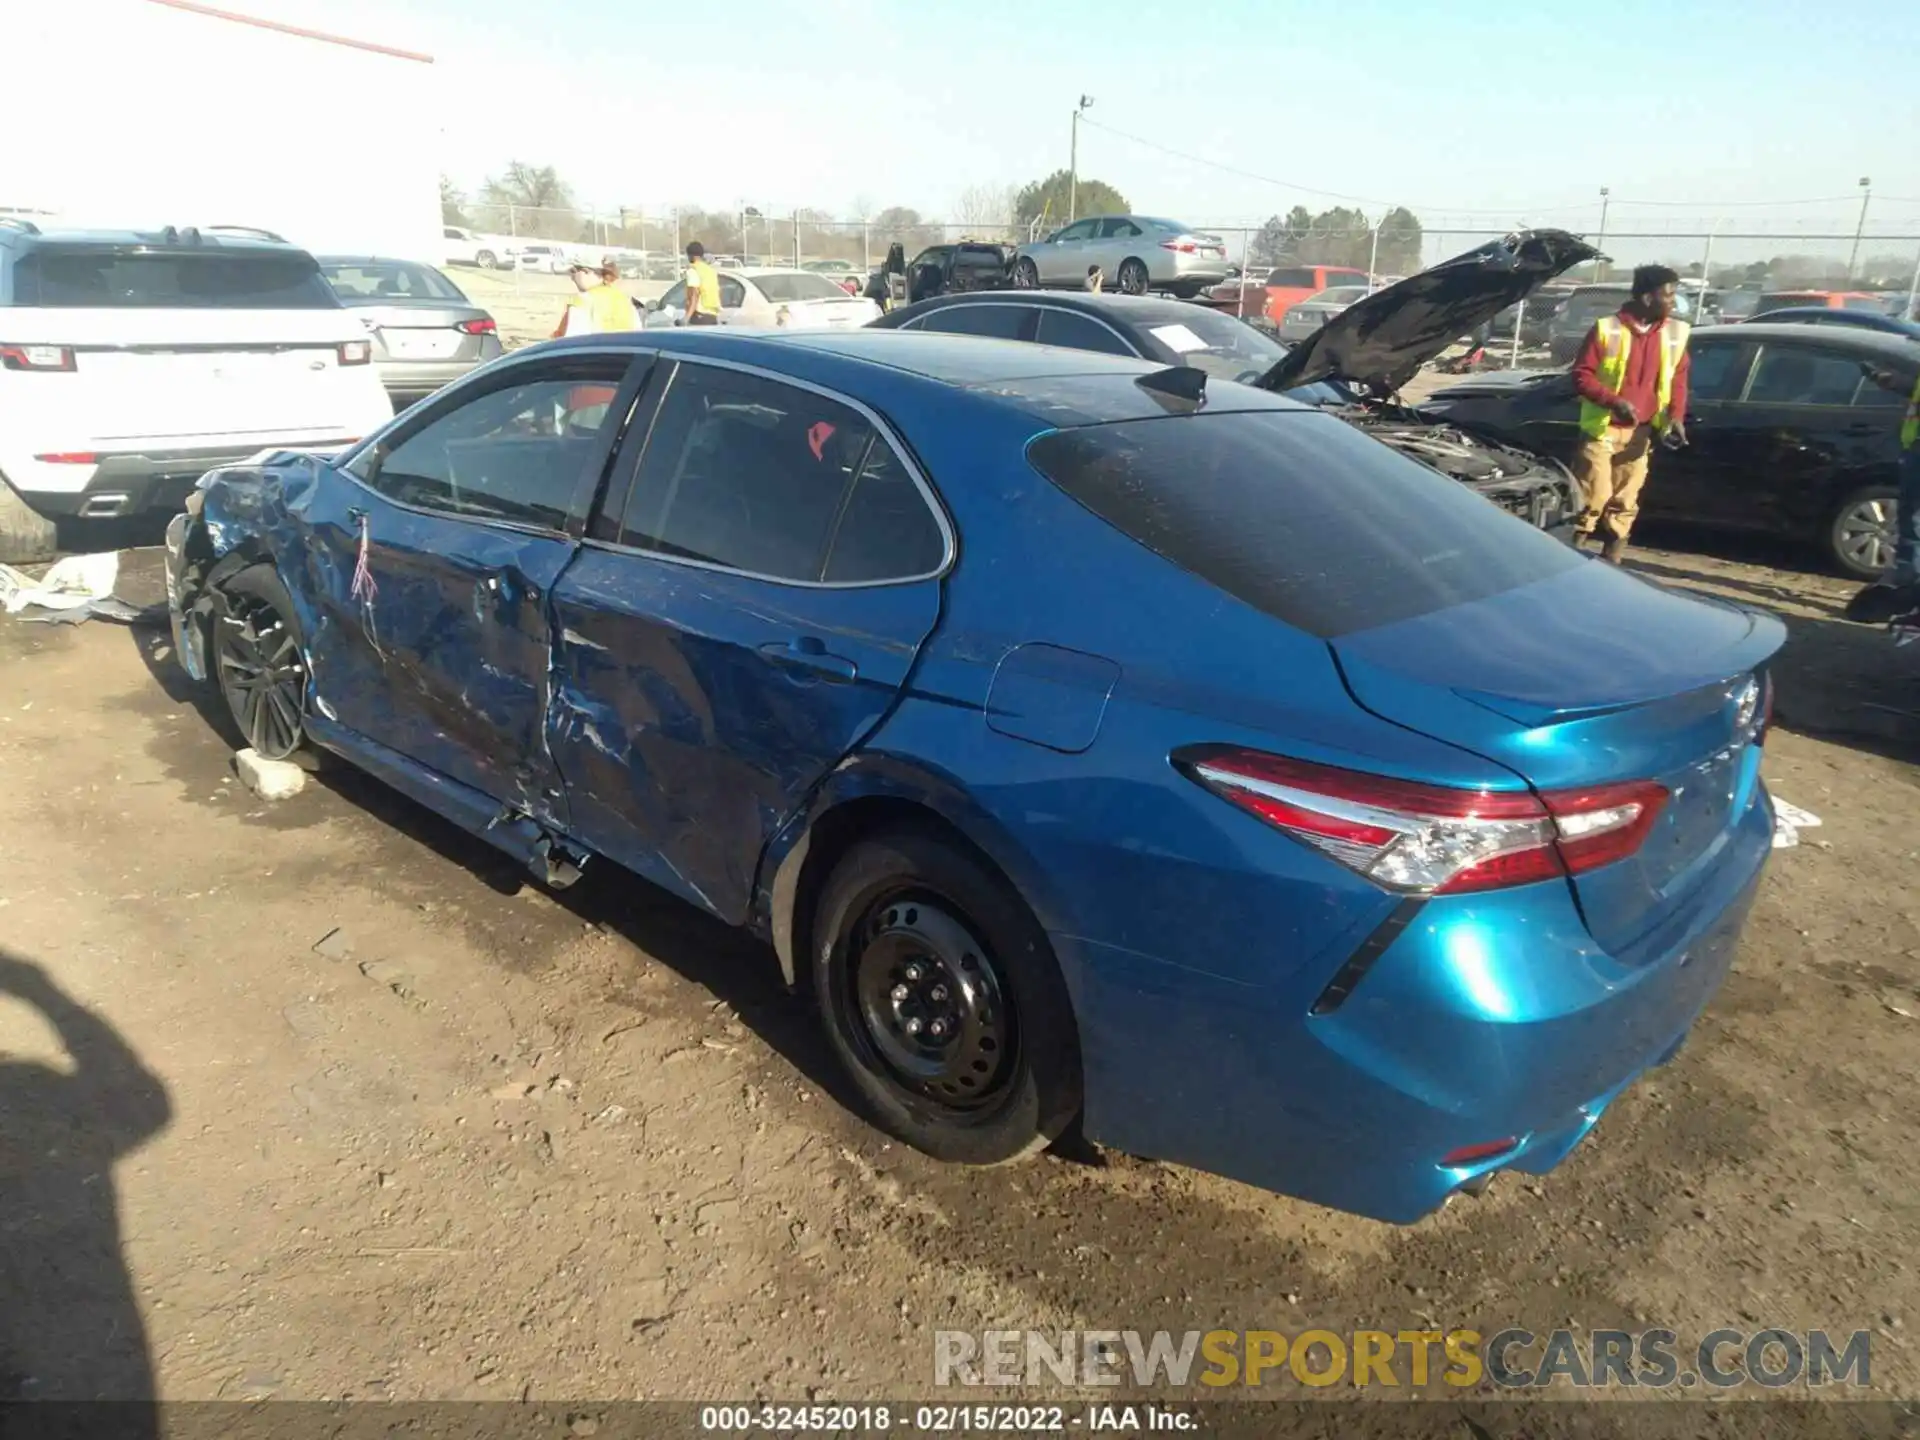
131,364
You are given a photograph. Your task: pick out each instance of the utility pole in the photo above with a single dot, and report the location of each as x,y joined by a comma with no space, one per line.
1866,194
1073,161
1601,242
1373,255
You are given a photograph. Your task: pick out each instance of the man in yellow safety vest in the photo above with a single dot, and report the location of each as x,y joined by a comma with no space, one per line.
1632,381
601,306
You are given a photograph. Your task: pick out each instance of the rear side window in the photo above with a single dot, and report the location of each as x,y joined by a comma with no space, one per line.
100,278
1299,515
1079,332
776,481
1790,375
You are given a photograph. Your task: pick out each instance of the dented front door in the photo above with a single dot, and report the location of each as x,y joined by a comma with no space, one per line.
435,564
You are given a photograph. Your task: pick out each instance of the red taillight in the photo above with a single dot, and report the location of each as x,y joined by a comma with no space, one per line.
1185,244
1473,1154
356,352
1435,839
483,326
1765,723
35,357
70,457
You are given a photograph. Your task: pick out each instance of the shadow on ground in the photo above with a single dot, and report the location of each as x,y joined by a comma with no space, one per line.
70,1327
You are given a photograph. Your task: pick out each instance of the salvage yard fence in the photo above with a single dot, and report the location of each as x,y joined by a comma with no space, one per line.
1781,256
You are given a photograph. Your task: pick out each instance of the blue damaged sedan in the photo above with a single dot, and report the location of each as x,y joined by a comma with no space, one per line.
1091,741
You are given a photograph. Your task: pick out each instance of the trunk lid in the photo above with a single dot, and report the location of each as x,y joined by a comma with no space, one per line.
417,332
1585,678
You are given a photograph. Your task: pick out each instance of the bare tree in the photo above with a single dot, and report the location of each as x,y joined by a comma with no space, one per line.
985,208
539,192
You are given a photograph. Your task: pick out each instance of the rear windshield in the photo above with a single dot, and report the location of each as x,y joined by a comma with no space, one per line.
1299,515
387,282
783,288
95,278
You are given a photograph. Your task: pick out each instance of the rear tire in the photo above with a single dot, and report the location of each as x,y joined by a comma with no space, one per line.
941,997
259,662
1132,277
26,536
1860,538
486,260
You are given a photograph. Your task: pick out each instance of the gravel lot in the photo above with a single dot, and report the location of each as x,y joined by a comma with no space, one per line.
323,1100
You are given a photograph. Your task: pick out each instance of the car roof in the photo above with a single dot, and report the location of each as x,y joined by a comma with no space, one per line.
1860,338
1046,384
166,241
1131,309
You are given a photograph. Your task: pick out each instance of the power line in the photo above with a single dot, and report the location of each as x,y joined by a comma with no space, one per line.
1705,208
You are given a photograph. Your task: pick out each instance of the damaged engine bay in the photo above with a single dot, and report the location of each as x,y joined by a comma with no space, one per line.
1534,487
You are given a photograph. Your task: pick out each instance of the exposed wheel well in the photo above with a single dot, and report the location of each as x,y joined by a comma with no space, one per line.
836,832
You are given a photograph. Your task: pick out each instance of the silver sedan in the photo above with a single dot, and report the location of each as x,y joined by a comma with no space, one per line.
426,333
1134,253
1304,318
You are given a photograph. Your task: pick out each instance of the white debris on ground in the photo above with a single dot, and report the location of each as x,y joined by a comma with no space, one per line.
69,584
269,779
1788,822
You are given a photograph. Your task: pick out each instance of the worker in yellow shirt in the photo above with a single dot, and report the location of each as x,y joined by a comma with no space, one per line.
601,306
703,287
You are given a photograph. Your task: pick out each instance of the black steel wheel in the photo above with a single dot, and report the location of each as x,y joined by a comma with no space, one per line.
258,660
931,1004
941,997
1132,277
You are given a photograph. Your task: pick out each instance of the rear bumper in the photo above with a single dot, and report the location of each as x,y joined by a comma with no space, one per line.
415,378
1473,1020
130,484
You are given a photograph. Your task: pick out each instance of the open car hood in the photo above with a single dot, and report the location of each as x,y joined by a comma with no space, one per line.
1382,340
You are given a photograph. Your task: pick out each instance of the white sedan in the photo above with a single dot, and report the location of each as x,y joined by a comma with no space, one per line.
768,299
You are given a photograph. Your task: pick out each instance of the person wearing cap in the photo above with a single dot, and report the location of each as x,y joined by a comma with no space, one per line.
703,287
601,306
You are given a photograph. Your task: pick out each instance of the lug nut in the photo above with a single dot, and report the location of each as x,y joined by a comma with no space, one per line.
900,992
937,1028
913,972
939,992
912,1027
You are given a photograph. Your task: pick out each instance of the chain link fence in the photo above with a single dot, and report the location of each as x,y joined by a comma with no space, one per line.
1777,258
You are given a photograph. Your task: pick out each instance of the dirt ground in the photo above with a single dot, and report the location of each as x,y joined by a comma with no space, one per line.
322,1099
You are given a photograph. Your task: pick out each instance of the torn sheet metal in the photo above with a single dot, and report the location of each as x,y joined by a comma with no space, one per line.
1788,822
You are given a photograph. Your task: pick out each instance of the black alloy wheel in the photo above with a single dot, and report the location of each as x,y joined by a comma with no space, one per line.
259,663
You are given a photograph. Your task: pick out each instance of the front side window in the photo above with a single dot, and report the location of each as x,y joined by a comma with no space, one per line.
1293,279
515,454
1081,231
775,481
1001,322
1715,371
